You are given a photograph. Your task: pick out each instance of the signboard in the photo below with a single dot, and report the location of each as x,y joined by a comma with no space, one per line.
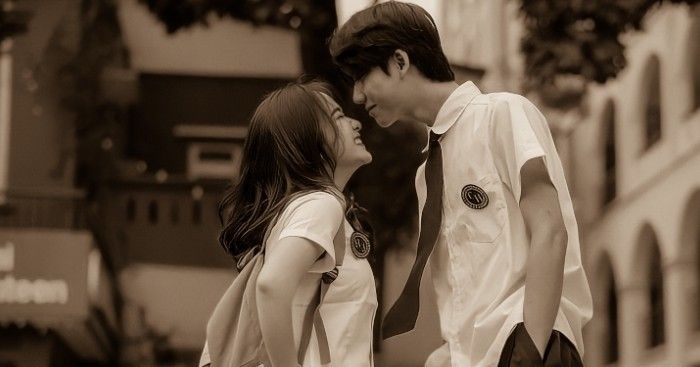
44,274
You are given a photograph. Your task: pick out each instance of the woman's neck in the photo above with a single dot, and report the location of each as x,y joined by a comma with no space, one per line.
341,177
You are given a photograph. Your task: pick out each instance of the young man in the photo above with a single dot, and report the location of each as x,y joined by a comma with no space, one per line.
496,218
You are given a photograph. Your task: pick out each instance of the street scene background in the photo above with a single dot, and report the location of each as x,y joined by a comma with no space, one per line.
122,123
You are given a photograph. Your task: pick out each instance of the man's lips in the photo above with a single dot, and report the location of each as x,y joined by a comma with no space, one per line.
371,108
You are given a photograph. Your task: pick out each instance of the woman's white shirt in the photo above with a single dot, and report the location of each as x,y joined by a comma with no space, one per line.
349,306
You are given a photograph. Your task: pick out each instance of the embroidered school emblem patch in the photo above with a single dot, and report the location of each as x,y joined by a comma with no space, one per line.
475,197
360,245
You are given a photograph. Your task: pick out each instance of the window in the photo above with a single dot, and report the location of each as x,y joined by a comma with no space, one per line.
612,353
174,212
610,189
153,212
197,212
690,242
608,309
697,270
652,103
131,210
695,62
656,298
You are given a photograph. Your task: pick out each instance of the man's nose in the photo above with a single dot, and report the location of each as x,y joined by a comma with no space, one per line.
358,96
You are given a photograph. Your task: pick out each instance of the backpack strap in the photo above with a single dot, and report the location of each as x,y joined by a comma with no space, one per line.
312,316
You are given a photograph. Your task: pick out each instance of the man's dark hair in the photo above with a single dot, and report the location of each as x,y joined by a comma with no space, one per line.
371,36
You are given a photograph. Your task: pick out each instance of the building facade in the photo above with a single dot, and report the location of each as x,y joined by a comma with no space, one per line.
631,153
59,298
635,176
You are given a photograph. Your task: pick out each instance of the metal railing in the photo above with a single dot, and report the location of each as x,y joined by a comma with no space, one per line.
63,209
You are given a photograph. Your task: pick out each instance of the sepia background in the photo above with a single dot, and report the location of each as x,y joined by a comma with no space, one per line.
122,123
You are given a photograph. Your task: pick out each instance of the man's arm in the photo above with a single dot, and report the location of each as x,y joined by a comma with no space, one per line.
545,265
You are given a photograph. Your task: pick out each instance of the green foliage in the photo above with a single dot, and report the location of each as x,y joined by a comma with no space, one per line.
293,14
568,43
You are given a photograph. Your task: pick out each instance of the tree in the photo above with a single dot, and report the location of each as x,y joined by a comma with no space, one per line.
569,43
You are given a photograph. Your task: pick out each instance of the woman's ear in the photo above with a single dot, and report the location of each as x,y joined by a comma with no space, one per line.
401,61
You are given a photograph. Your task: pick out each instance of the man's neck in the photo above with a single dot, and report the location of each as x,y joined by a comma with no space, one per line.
429,99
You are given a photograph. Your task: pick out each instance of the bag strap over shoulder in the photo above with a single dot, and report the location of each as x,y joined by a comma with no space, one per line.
312,316
243,259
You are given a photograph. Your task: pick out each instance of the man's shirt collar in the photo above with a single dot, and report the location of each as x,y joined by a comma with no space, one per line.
453,108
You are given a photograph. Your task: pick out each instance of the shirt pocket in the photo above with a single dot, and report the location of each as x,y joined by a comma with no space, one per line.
482,212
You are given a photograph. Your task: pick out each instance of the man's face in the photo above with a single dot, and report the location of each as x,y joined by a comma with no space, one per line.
379,94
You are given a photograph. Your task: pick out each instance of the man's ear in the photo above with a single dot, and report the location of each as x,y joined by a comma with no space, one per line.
401,61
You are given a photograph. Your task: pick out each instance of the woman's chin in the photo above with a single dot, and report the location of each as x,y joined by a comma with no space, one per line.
359,162
366,159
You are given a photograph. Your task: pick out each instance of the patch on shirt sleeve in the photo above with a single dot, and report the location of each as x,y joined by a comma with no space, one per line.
475,197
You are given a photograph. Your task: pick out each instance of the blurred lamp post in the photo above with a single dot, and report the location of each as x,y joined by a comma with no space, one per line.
12,22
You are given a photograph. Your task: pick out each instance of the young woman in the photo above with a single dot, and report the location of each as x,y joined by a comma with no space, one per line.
300,150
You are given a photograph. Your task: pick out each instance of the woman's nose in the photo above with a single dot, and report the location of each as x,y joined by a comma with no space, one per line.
356,125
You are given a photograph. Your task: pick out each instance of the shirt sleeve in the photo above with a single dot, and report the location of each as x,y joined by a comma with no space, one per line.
317,218
515,126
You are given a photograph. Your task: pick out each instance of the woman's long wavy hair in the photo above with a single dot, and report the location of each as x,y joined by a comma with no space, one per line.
289,148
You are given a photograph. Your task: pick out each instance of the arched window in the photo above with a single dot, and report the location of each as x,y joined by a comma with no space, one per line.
652,103
130,210
610,339
612,353
153,212
650,274
695,61
696,229
697,269
610,189
656,298
690,242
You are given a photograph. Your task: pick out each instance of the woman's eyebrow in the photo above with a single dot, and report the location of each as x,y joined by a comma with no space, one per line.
336,110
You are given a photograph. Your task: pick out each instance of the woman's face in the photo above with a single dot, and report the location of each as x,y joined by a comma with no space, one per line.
350,151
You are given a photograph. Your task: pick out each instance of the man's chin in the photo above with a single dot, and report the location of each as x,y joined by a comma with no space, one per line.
384,123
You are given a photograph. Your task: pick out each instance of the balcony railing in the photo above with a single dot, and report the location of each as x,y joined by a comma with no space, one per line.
59,209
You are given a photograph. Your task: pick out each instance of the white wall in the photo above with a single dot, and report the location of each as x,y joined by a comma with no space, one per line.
226,48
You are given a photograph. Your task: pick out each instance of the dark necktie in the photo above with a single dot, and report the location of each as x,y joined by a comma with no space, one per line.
402,316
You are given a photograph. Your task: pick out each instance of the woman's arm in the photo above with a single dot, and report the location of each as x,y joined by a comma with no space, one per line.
277,283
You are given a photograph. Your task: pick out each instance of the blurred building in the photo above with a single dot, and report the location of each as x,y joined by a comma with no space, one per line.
59,297
126,269
635,176
197,89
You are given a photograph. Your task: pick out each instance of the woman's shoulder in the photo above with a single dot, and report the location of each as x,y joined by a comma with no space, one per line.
315,202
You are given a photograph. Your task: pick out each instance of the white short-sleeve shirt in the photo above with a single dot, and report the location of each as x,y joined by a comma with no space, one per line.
478,265
351,301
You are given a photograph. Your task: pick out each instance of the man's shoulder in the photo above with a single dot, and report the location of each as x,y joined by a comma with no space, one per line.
498,98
